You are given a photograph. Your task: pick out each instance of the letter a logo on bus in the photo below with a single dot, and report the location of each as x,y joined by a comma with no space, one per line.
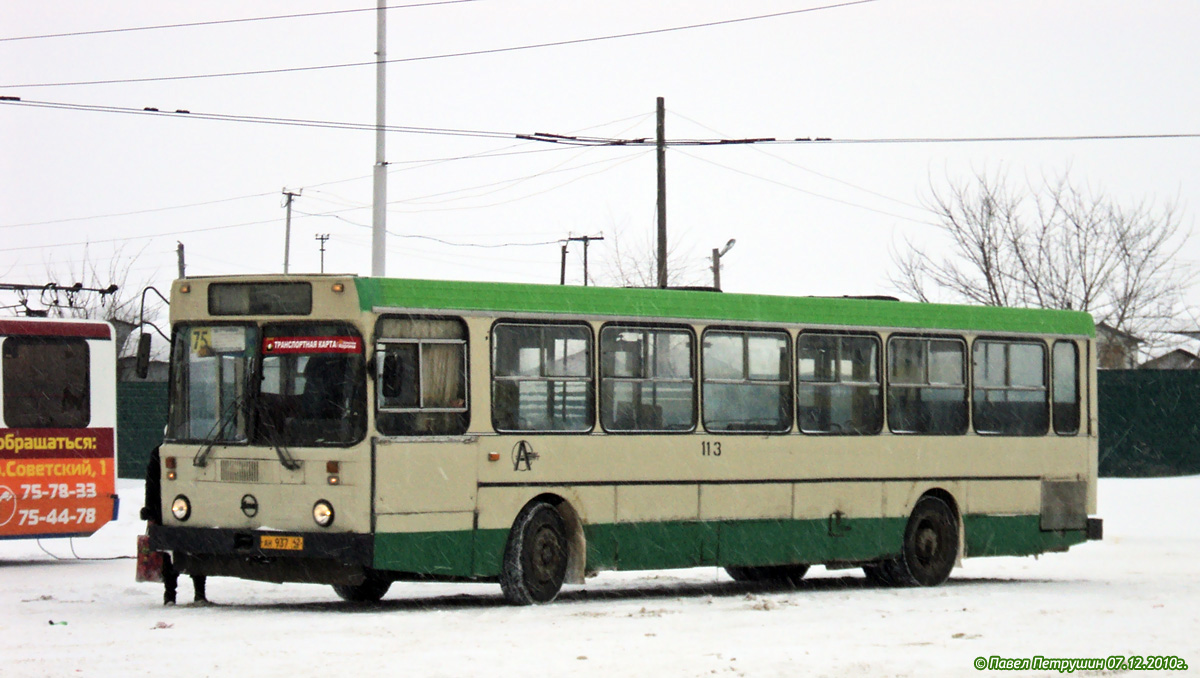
523,456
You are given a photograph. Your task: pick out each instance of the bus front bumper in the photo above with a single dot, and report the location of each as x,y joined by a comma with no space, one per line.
315,557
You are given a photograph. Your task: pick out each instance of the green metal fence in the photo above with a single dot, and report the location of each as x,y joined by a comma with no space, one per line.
1149,423
141,417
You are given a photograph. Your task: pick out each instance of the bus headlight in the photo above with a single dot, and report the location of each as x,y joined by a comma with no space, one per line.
181,508
323,513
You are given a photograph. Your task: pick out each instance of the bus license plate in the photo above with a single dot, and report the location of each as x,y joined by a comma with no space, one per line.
281,543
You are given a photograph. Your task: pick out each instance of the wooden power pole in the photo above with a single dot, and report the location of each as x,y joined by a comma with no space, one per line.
289,196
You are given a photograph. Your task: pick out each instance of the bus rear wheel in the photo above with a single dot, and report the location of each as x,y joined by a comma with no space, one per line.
790,574
930,546
369,591
535,557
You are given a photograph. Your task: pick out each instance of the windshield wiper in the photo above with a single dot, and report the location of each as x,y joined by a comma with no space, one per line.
276,440
218,431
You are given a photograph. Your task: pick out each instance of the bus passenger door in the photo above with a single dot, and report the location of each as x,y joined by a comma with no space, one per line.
424,504
424,469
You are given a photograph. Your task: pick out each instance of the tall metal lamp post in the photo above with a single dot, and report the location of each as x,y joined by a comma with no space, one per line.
716,262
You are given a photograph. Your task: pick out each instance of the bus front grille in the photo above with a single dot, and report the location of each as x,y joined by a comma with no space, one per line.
239,471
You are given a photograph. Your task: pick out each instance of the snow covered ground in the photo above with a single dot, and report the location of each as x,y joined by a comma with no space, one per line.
1137,592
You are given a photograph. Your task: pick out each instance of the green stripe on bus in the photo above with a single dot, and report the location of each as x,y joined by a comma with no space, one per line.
445,554
672,544
700,305
651,546
1014,536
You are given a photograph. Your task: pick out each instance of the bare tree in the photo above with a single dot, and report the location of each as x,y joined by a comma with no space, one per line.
122,306
633,262
1057,246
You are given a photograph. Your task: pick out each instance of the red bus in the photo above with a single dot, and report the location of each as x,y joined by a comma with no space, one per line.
58,415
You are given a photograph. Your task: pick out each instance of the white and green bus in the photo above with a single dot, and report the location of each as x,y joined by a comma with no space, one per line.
358,431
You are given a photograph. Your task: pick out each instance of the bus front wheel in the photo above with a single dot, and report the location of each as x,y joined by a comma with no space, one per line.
535,557
369,591
930,546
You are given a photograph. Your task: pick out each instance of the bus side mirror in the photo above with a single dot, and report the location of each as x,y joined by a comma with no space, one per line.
143,356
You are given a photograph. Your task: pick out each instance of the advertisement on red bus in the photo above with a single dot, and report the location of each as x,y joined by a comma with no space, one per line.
58,451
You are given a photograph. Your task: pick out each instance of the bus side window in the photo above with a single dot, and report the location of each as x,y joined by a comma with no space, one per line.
839,390
646,381
542,377
927,391
421,376
747,381
1066,388
1010,388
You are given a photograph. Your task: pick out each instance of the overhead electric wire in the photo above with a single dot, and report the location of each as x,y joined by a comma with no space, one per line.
136,212
614,164
582,141
351,206
458,259
803,190
290,122
416,236
431,57
994,139
500,152
418,164
553,169
506,183
393,167
806,169
139,237
59,261
218,22
339,200
258,269
527,196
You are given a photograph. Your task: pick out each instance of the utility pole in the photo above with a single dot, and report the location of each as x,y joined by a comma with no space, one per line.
662,194
379,202
562,275
179,255
287,232
716,263
585,239
324,237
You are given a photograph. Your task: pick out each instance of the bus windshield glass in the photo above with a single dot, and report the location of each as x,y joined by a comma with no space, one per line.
209,382
311,390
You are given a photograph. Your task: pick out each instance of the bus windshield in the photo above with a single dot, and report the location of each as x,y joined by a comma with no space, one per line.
311,390
309,385
209,383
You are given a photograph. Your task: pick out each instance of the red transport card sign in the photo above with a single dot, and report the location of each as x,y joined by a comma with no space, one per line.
285,345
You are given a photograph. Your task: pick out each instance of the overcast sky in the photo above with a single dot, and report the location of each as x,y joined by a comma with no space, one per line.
808,218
